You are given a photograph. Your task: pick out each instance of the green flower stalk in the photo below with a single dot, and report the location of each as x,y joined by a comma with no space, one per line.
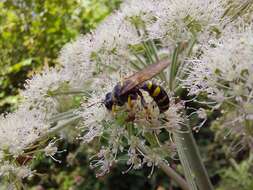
190,158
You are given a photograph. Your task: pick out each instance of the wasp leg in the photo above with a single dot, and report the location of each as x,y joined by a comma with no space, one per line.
131,113
113,109
129,102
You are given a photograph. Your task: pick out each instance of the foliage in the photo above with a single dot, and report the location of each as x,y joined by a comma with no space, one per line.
33,32
238,176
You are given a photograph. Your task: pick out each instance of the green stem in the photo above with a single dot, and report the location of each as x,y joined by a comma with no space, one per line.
64,115
249,127
168,170
173,69
241,9
137,67
153,49
148,52
71,92
139,59
61,125
234,164
174,175
195,172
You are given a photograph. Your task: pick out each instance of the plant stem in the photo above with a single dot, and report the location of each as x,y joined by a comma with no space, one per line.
168,170
195,172
153,49
173,69
148,53
174,175
64,115
61,125
71,92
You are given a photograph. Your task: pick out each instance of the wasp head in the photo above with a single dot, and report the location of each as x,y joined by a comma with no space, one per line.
108,102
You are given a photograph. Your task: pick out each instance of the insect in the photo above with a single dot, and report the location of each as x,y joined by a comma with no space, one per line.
131,88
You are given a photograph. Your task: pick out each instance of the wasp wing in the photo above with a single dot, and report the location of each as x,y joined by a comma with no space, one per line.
143,75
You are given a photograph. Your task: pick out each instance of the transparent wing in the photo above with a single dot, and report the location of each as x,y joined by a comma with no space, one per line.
143,75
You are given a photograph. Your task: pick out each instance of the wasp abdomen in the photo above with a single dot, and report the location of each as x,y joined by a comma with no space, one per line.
159,95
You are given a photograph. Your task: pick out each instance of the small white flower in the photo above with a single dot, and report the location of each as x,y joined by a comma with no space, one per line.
23,172
103,163
174,116
202,113
51,149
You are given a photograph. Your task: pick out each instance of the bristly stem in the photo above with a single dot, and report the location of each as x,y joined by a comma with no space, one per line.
195,172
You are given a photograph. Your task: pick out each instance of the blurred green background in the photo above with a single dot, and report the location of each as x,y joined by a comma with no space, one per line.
32,32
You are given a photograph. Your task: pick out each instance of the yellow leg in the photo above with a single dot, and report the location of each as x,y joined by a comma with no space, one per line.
113,109
129,102
131,112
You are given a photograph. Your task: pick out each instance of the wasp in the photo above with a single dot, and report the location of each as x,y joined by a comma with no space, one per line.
130,89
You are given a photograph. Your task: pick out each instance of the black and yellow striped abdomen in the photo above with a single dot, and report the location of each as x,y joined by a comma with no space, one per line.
159,95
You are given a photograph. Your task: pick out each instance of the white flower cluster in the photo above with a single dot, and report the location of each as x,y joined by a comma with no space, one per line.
180,21
96,62
18,132
138,21
19,129
224,69
224,74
